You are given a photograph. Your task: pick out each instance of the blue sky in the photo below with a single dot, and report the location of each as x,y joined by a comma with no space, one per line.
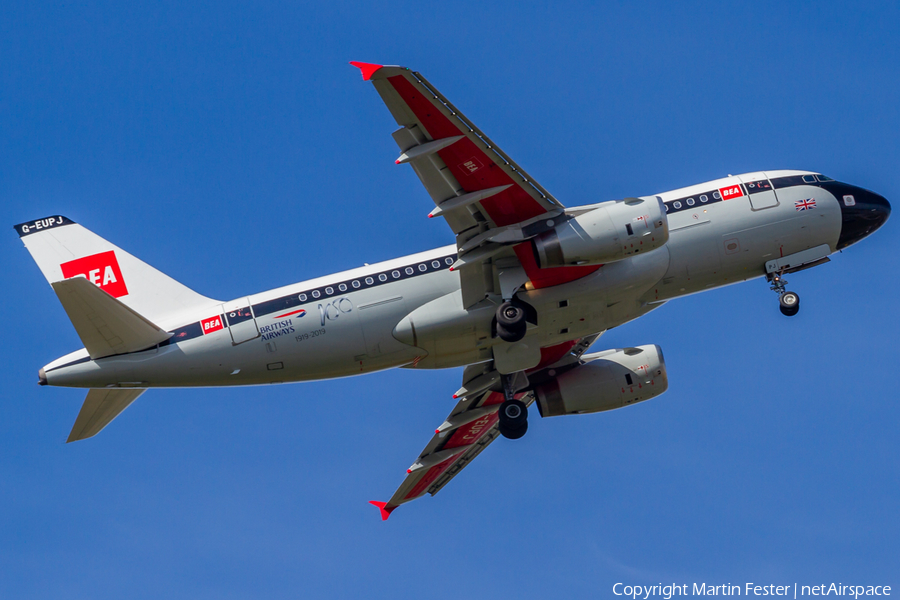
231,146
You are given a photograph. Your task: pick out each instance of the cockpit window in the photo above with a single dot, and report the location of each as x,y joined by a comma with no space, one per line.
823,178
809,178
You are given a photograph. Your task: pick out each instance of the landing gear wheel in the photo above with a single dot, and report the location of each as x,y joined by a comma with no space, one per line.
789,304
511,324
513,419
514,434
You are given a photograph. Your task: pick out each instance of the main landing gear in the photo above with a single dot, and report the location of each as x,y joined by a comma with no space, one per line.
513,413
511,324
789,302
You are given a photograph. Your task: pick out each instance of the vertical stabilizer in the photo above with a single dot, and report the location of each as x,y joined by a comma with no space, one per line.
64,249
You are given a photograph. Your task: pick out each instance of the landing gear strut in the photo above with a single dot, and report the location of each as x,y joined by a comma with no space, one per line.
789,302
513,413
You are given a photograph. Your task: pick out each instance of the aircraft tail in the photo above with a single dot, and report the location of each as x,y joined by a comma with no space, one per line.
64,249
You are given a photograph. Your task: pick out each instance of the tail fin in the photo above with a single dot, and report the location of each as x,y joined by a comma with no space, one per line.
63,249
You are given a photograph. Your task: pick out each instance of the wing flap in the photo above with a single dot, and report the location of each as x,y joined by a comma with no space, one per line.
105,325
99,409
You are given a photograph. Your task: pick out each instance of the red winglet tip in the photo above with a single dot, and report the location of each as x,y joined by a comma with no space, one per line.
368,69
385,512
430,216
397,162
451,268
437,430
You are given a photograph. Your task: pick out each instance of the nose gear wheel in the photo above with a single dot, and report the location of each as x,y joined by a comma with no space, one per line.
788,302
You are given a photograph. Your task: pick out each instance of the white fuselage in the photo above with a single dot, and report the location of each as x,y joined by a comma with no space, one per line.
344,324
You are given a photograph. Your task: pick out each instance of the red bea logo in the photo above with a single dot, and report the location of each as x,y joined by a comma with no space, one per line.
100,269
730,192
211,324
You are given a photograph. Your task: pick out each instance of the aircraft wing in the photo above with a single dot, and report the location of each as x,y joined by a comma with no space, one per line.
490,202
469,428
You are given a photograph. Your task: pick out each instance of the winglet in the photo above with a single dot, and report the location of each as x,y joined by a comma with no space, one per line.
367,69
385,512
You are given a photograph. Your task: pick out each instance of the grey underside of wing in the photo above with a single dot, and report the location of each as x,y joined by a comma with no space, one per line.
580,348
483,442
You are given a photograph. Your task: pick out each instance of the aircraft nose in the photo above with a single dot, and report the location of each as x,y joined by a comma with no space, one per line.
862,212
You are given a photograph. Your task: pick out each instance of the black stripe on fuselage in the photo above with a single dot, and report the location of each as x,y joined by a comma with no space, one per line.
348,286
751,187
308,296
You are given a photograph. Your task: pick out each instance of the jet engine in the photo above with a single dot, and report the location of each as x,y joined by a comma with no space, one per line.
610,232
606,380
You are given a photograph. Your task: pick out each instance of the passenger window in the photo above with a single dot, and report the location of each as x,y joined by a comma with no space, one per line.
704,198
395,274
448,261
382,277
436,264
355,285
369,281
409,270
717,195
677,205
690,201
423,268
329,290
316,294
302,297
343,287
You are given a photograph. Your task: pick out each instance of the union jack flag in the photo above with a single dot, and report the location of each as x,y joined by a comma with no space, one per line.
807,204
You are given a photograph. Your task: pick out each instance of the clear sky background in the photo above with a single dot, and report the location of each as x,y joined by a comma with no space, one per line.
231,146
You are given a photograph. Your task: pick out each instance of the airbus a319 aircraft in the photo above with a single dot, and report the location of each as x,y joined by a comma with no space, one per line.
517,301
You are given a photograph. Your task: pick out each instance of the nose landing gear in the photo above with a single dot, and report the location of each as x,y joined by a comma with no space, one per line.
789,302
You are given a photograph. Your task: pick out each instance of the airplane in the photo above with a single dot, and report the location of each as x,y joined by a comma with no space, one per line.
516,302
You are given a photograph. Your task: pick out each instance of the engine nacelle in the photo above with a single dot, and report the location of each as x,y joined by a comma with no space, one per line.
610,232
607,380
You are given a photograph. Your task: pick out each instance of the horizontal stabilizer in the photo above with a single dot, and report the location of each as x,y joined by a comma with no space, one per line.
99,409
105,325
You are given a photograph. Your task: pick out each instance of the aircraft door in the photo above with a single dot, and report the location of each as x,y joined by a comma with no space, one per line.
758,186
240,321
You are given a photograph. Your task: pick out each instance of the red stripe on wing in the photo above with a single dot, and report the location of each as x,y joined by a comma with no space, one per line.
429,478
474,169
551,354
542,278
